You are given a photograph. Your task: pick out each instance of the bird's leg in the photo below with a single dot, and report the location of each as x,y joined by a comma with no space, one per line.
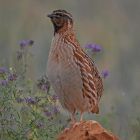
81,117
73,116
72,121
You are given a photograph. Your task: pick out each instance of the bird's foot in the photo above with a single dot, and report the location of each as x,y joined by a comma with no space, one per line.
67,129
76,124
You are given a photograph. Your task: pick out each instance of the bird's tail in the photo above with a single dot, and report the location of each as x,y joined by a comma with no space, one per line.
95,109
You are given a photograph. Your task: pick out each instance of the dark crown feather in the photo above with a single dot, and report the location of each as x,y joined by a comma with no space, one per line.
64,12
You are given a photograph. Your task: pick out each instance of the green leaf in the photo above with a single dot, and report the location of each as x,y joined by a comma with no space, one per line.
40,134
28,82
26,65
18,115
0,113
31,54
35,134
6,134
3,63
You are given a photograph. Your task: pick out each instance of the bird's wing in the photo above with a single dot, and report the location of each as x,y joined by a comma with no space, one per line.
89,72
92,82
96,77
89,86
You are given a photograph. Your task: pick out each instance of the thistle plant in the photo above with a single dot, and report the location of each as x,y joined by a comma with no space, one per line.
92,50
23,113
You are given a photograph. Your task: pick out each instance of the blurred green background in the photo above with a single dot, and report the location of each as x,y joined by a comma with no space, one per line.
114,25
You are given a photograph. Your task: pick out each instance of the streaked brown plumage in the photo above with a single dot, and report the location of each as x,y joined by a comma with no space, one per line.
72,73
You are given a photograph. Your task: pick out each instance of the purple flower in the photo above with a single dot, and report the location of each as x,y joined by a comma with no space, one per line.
22,45
33,102
31,42
19,54
49,120
2,71
10,106
44,87
105,74
56,111
60,122
95,48
54,98
20,92
43,83
37,98
1,127
20,100
48,114
30,101
4,83
13,77
10,120
40,124
88,46
22,111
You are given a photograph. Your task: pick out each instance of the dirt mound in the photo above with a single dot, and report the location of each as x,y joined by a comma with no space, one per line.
87,130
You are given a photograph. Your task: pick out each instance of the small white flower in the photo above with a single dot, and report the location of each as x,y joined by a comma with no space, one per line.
10,69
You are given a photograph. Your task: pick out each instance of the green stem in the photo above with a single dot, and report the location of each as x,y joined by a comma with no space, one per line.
28,54
36,112
23,61
2,136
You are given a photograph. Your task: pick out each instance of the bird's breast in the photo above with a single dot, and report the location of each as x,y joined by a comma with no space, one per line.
61,65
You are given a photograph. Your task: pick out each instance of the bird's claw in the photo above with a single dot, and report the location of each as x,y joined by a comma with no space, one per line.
76,124
66,130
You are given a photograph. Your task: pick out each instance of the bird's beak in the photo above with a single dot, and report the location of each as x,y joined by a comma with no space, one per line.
50,15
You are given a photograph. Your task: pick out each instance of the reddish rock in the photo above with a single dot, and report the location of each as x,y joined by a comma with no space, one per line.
87,130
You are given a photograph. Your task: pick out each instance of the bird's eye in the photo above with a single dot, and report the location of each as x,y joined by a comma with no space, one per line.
60,15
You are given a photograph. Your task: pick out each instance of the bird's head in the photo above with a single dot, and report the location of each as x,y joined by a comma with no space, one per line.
62,20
